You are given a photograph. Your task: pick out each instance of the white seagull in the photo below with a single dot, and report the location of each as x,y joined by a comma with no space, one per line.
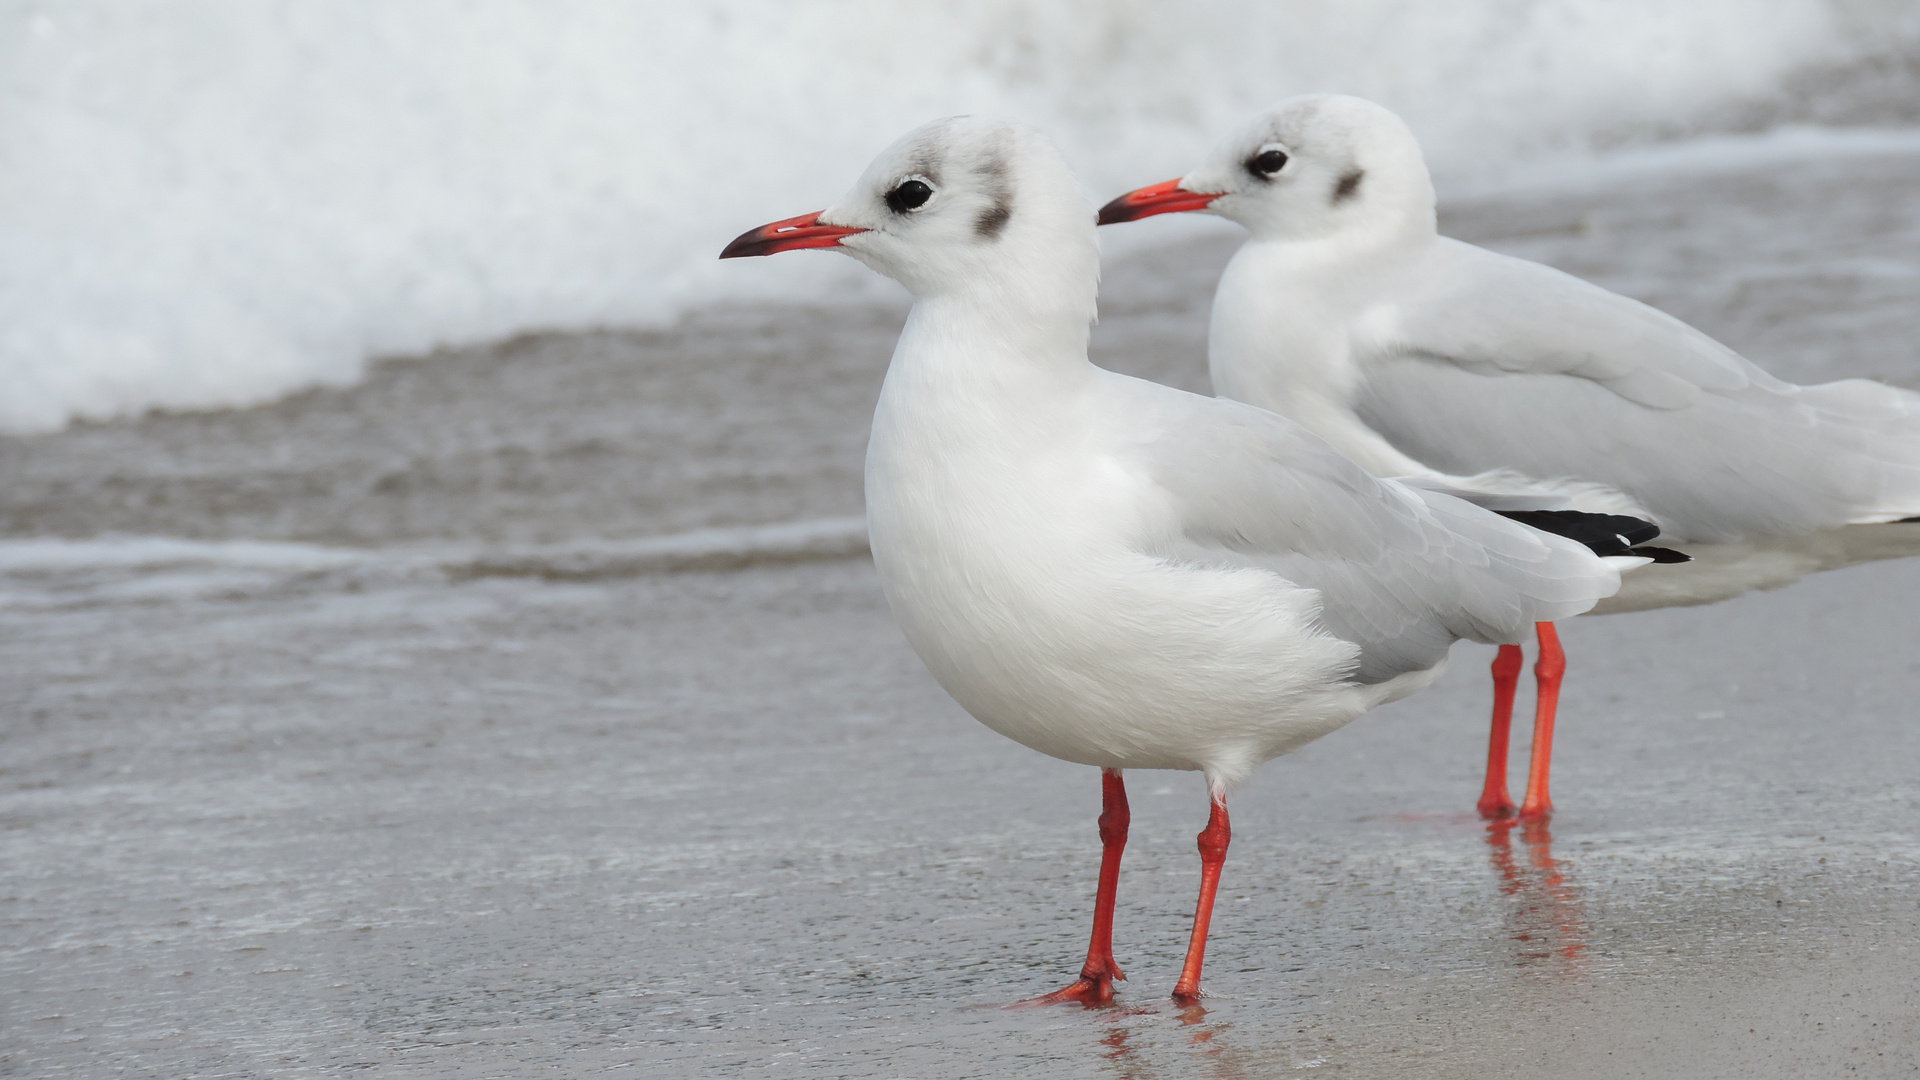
1418,356
1114,572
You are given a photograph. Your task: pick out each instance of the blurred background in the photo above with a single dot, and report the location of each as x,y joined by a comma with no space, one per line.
364,368
207,205
210,204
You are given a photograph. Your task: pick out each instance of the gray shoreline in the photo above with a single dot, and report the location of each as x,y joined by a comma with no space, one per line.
755,416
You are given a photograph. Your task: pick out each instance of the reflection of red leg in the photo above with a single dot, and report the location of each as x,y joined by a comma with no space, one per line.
1547,670
1494,800
1498,839
1095,986
1562,897
1213,853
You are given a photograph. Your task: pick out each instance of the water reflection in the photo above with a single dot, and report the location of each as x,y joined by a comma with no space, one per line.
1200,1042
1544,916
1120,1054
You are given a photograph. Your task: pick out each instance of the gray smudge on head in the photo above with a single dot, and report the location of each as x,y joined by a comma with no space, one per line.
925,165
993,220
1348,185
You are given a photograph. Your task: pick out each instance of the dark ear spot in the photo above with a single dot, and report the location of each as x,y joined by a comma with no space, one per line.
993,220
1348,185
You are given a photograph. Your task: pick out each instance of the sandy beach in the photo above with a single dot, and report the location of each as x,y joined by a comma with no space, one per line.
398,759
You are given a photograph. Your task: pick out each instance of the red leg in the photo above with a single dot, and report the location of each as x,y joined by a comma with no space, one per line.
1494,800
1213,853
1538,805
1095,985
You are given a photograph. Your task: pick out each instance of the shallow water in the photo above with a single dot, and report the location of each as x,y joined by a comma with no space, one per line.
1806,262
723,824
429,775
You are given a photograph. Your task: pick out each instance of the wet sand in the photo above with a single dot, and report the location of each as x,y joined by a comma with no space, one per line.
723,824
263,818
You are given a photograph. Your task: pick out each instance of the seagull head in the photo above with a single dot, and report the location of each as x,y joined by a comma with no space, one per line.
1309,167
960,205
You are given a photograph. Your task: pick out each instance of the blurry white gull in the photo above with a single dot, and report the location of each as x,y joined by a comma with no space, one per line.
1114,572
1418,356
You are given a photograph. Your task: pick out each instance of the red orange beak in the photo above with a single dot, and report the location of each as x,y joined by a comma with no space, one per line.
1167,198
804,231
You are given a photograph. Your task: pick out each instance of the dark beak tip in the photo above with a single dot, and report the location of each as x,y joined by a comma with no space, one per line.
1146,202
747,244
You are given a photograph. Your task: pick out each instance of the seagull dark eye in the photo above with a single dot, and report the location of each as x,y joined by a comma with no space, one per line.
909,196
1267,163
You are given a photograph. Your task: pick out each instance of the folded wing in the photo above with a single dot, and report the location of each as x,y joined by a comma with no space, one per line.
1402,572
1595,386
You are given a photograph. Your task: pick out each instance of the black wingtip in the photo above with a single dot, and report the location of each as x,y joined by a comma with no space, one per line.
1603,534
1661,555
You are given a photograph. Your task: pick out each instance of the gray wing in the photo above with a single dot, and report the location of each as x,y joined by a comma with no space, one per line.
1475,361
1401,572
